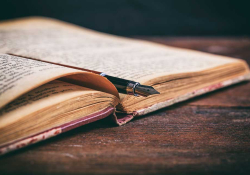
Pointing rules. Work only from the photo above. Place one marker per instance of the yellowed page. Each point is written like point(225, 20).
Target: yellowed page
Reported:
point(59, 42)
point(44, 96)
point(19, 75)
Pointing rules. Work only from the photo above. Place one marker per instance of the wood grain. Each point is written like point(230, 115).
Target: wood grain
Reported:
point(208, 134)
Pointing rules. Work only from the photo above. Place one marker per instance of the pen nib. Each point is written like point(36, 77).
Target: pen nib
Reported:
point(145, 90)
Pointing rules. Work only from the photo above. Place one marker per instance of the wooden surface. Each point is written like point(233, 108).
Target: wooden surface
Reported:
point(208, 134)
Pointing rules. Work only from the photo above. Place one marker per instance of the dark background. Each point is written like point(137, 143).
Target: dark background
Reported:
point(142, 17)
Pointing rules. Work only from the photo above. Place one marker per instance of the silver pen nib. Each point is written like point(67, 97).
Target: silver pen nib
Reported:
point(145, 91)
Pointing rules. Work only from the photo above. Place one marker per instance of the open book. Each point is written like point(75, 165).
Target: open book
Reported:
point(41, 99)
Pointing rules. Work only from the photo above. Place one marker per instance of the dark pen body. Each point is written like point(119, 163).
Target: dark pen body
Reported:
point(130, 87)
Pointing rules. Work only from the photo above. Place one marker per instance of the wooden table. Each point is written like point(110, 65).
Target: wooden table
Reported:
point(208, 134)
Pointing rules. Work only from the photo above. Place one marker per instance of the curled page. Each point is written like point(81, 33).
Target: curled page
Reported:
point(19, 75)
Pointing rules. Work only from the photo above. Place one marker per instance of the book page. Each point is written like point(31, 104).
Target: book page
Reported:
point(59, 42)
point(19, 75)
point(55, 92)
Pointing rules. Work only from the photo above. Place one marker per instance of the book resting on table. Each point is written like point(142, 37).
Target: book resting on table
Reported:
point(40, 98)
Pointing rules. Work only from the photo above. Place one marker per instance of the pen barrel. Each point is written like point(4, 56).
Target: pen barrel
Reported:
point(120, 84)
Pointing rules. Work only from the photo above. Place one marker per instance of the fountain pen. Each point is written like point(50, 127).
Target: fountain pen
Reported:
point(130, 87)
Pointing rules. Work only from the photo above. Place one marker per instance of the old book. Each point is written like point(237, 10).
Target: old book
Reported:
point(39, 100)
